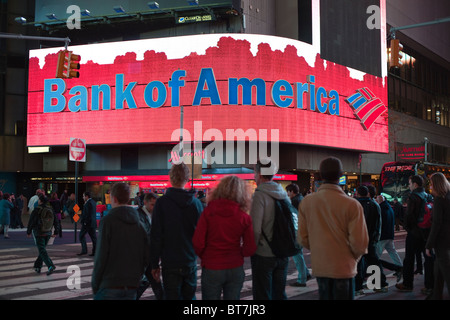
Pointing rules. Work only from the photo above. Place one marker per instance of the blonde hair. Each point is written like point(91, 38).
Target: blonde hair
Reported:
point(440, 184)
point(232, 188)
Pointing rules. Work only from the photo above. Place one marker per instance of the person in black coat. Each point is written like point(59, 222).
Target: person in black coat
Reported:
point(416, 237)
point(145, 215)
point(439, 238)
point(372, 215)
point(174, 220)
point(88, 224)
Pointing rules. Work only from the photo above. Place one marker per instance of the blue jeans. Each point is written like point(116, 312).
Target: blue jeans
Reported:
point(336, 289)
point(228, 280)
point(116, 294)
point(301, 267)
point(269, 277)
point(180, 283)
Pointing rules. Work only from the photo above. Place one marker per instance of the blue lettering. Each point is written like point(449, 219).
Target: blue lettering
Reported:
point(161, 94)
point(246, 84)
point(280, 90)
point(79, 101)
point(333, 105)
point(175, 83)
point(106, 93)
point(50, 94)
point(124, 95)
point(301, 89)
point(312, 93)
point(206, 77)
point(321, 93)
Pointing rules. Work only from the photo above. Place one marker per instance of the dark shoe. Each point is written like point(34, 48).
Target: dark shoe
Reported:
point(399, 275)
point(81, 253)
point(38, 270)
point(296, 284)
point(403, 288)
point(51, 269)
point(308, 277)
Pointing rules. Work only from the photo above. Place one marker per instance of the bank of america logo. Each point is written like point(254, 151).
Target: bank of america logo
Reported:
point(368, 108)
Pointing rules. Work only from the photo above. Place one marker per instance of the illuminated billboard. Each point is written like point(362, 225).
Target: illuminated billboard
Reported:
point(131, 92)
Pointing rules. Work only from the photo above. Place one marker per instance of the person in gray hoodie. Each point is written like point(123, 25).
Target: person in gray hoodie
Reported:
point(269, 273)
point(123, 250)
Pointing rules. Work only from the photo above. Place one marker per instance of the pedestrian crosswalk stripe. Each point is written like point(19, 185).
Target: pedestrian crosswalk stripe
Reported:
point(18, 280)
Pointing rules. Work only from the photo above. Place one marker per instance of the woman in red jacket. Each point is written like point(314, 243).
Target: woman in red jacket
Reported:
point(223, 237)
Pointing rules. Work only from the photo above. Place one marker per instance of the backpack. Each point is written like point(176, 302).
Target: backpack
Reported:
point(46, 219)
point(426, 211)
point(424, 221)
point(284, 239)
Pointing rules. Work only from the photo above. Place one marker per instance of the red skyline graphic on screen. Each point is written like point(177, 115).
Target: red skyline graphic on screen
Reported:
point(229, 58)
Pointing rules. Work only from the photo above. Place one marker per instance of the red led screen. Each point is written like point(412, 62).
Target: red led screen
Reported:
point(133, 94)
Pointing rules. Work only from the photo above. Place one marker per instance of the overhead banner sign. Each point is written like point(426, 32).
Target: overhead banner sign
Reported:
point(131, 92)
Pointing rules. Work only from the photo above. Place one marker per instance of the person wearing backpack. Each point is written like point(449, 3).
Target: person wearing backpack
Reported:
point(42, 221)
point(416, 237)
point(269, 272)
point(439, 238)
point(332, 227)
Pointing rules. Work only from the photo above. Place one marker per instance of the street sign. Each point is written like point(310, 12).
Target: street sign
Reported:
point(77, 150)
point(76, 216)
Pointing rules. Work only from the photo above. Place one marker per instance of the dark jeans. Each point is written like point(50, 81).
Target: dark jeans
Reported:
point(156, 287)
point(371, 258)
point(229, 281)
point(41, 243)
point(336, 289)
point(92, 235)
point(269, 277)
point(116, 294)
point(442, 273)
point(180, 283)
point(414, 244)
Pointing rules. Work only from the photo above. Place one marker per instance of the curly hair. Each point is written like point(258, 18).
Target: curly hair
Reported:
point(235, 189)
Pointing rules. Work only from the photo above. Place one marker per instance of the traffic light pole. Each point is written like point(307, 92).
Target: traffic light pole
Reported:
point(417, 25)
point(76, 198)
point(22, 37)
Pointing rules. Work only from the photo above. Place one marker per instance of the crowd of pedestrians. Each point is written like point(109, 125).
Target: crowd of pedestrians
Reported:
point(159, 243)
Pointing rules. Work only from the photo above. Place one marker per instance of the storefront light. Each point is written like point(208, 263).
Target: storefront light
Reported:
point(39, 149)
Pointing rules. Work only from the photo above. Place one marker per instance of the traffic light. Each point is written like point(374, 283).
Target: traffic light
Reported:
point(60, 68)
point(396, 53)
point(73, 63)
point(68, 65)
